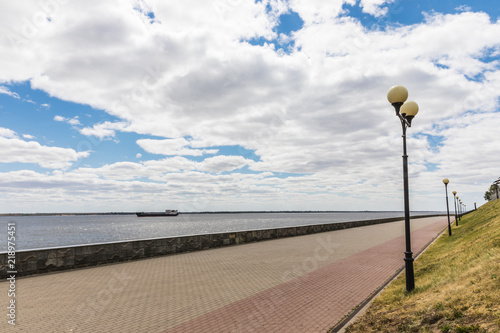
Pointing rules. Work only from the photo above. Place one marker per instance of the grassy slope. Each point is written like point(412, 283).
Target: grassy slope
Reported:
point(457, 284)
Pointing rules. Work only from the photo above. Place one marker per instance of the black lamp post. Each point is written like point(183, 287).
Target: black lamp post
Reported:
point(458, 207)
point(455, 202)
point(475, 207)
point(397, 96)
point(445, 182)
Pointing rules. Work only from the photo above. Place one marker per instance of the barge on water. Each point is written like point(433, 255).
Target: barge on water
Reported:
point(167, 212)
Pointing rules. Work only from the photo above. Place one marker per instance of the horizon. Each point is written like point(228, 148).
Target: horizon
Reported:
point(231, 212)
point(245, 106)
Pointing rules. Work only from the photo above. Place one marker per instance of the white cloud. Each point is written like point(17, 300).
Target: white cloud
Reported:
point(463, 8)
point(104, 130)
point(165, 169)
point(171, 164)
point(7, 133)
point(16, 150)
point(179, 146)
point(72, 121)
point(373, 7)
point(6, 91)
point(28, 136)
point(318, 11)
point(223, 163)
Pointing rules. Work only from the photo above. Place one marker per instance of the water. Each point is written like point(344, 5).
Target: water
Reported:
point(35, 232)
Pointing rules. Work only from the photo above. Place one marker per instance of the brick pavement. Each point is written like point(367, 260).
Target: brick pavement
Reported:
point(314, 302)
point(299, 284)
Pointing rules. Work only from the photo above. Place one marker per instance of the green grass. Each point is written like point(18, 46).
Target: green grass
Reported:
point(457, 284)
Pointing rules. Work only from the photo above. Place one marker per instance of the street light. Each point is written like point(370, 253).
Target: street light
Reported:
point(461, 208)
point(445, 182)
point(455, 201)
point(397, 96)
point(458, 206)
point(475, 207)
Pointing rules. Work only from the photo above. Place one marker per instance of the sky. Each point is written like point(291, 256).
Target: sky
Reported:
point(231, 105)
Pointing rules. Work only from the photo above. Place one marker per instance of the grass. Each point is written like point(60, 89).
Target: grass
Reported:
point(457, 284)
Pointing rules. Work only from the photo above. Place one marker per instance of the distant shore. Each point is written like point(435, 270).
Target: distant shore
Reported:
point(224, 212)
point(61, 214)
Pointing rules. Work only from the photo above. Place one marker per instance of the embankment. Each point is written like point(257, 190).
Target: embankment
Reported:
point(39, 261)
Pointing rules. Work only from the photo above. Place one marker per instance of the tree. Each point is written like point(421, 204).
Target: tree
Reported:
point(494, 189)
point(487, 196)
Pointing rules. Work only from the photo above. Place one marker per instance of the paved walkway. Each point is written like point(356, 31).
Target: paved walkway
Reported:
point(299, 284)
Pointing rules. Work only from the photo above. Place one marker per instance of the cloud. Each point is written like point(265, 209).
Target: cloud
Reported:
point(162, 170)
point(6, 91)
point(463, 8)
point(373, 7)
point(7, 133)
point(104, 130)
point(223, 163)
point(179, 146)
point(17, 150)
point(72, 121)
point(318, 11)
point(187, 189)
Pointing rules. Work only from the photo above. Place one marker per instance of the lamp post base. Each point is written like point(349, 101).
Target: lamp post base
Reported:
point(410, 280)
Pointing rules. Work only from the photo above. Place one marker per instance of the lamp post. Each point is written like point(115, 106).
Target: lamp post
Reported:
point(475, 207)
point(397, 96)
point(458, 207)
point(455, 202)
point(445, 182)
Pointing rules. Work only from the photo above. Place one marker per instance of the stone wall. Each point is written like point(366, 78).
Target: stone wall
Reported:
point(40, 261)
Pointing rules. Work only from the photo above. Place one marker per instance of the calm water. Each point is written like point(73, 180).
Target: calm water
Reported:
point(34, 232)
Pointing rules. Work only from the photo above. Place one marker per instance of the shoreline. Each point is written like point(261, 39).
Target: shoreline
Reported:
point(230, 212)
point(44, 260)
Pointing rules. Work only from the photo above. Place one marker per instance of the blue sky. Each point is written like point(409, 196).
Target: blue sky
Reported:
point(267, 105)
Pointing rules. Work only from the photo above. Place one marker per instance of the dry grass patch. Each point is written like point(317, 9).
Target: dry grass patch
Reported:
point(457, 284)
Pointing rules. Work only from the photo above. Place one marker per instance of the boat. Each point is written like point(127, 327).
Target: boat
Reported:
point(168, 212)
